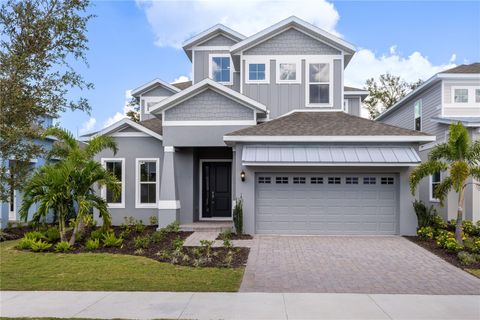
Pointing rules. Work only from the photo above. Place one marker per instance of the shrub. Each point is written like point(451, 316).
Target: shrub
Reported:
point(139, 226)
point(452, 245)
point(153, 220)
point(141, 242)
point(110, 240)
point(63, 246)
point(164, 255)
point(96, 234)
point(26, 243)
point(139, 252)
point(34, 235)
point(227, 243)
point(238, 215)
point(178, 243)
point(438, 222)
point(467, 259)
point(92, 244)
point(425, 233)
point(206, 247)
point(229, 258)
point(173, 227)
point(52, 234)
point(472, 245)
point(227, 234)
point(442, 237)
point(425, 215)
point(470, 229)
point(40, 245)
point(157, 236)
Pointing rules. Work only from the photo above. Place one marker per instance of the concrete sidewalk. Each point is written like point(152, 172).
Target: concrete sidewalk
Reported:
point(177, 305)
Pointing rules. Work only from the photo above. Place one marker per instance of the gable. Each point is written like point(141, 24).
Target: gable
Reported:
point(208, 105)
point(128, 129)
point(218, 40)
point(291, 41)
point(157, 91)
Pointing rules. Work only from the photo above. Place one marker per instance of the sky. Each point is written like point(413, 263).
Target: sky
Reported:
point(134, 42)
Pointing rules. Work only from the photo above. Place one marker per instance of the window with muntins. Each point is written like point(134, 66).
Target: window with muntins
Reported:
point(316, 180)
point(334, 180)
point(264, 180)
point(387, 180)
point(299, 180)
point(351, 180)
point(114, 167)
point(256, 71)
point(369, 180)
point(418, 115)
point(435, 181)
point(319, 83)
point(281, 180)
point(221, 69)
point(147, 181)
point(460, 96)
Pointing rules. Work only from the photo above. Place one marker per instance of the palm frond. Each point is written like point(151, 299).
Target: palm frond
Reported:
point(459, 140)
point(442, 189)
point(100, 143)
point(424, 170)
point(473, 154)
point(459, 172)
point(442, 151)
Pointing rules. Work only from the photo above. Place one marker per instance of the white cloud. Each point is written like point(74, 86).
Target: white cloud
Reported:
point(366, 64)
point(88, 125)
point(116, 117)
point(175, 21)
point(181, 79)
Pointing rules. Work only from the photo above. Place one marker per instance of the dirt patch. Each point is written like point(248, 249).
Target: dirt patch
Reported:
point(450, 257)
point(15, 233)
point(234, 236)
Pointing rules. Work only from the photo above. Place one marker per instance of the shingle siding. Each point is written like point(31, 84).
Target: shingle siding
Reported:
point(291, 41)
point(209, 105)
point(219, 40)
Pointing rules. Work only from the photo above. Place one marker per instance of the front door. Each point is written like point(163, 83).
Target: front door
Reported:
point(216, 190)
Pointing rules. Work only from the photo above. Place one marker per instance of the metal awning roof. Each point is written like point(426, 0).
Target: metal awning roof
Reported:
point(327, 155)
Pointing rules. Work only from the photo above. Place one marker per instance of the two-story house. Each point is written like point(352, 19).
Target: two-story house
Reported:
point(266, 118)
point(449, 96)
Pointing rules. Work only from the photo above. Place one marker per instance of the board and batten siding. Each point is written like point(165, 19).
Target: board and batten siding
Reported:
point(218, 40)
point(201, 67)
point(354, 106)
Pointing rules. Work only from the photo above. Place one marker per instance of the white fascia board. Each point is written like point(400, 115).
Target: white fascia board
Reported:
point(117, 125)
point(286, 23)
point(355, 93)
point(462, 76)
point(331, 164)
point(181, 123)
point(329, 138)
point(167, 85)
point(450, 121)
point(213, 31)
point(200, 87)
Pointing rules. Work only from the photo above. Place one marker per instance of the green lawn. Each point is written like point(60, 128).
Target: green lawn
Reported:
point(100, 271)
point(475, 272)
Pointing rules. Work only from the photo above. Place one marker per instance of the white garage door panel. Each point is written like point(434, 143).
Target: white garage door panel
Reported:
point(322, 208)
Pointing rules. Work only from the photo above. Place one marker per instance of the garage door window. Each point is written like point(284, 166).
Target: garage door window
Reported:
point(299, 180)
point(281, 180)
point(334, 180)
point(387, 180)
point(316, 180)
point(264, 180)
point(351, 180)
point(369, 180)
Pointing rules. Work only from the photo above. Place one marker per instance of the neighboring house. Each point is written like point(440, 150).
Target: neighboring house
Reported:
point(9, 211)
point(449, 96)
point(266, 118)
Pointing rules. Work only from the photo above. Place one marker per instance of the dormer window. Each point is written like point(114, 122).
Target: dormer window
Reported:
point(461, 95)
point(319, 86)
point(221, 68)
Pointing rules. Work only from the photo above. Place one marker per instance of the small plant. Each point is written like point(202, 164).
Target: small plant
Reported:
point(138, 226)
point(467, 259)
point(96, 234)
point(173, 227)
point(40, 245)
point(471, 229)
point(238, 215)
point(164, 255)
point(206, 247)
point(228, 260)
point(26, 243)
point(110, 240)
point(198, 259)
point(425, 233)
point(442, 237)
point(139, 252)
point(92, 244)
point(153, 220)
point(227, 243)
point(63, 246)
point(178, 243)
point(227, 234)
point(52, 234)
point(452, 245)
point(438, 222)
point(472, 245)
point(157, 236)
point(35, 235)
point(141, 242)
point(425, 216)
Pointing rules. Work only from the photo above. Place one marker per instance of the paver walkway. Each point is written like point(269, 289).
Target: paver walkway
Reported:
point(356, 264)
point(201, 305)
point(194, 239)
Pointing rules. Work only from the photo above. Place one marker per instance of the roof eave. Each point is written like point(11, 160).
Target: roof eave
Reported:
point(357, 139)
point(143, 88)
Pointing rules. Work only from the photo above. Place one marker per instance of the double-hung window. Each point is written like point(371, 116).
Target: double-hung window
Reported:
point(460, 95)
point(435, 180)
point(220, 68)
point(147, 182)
point(418, 115)
point(318, 83)
point(115, 166)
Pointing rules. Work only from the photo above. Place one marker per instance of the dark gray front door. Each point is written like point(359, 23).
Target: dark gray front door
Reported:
point(216, 189)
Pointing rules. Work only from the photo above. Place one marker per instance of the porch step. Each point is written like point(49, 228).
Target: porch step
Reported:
point(213, 226)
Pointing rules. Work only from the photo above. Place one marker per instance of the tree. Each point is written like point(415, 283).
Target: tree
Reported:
point(69, 183)
point(40, 41)
point(134, 112)
point(386, 93)
point(460, 157)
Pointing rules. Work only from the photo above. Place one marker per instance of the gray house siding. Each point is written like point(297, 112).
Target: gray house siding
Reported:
point(154, 95)
point(209, 105)
point(218, 40)
point(291, 41)
point(131, 148)
point(201, 136)
point(354, 106)
point(201, 67)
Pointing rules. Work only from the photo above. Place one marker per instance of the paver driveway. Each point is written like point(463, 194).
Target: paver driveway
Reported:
point(378, 264)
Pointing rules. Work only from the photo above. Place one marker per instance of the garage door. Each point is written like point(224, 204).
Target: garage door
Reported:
point(326, 204)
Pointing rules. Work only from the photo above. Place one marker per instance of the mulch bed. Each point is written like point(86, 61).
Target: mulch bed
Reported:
point(234, 236)
point(15, 233)
point(450, 257)
point(165, 245)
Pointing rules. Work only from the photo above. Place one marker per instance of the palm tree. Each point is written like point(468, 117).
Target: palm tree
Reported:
point(460, 157)
point(68, 184)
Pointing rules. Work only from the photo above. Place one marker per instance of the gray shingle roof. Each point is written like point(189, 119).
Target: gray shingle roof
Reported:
point(465, 68)
point(153, 124)
point(324, 124)
point(345, 88)
point(182, 85)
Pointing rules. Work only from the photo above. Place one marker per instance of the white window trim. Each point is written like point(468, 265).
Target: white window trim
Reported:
point(421, 115)
point(103, 190)
point(148, 99)
point(138, 204)
point(12, 215)
point(330, 82)
point(430, 189)
point(453, 95)
point(298, 70)
point(257, 60)
point(471, 103)
point(210, 66)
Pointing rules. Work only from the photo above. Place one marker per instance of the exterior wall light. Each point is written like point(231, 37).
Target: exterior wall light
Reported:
point(242, 175)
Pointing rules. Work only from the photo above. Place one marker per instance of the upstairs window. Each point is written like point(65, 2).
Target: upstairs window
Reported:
point(418, 115)
point(460, 95)
point(256, 71)
point(220, 68)
point(318, 83)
